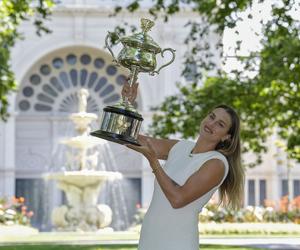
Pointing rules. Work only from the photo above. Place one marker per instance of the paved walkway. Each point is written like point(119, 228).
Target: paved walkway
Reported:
point(269, 243)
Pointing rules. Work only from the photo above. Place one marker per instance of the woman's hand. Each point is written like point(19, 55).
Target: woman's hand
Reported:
point(129, 92)
point(146, 149)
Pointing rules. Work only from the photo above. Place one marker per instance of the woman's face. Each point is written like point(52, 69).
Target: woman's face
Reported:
point(216, 125)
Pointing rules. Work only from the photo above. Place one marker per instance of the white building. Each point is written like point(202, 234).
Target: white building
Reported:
point(52, 68)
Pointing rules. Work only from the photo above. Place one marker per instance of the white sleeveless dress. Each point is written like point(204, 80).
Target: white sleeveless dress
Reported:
point(166, 228)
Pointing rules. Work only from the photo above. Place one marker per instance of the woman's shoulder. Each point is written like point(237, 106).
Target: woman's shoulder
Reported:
point(218, 155)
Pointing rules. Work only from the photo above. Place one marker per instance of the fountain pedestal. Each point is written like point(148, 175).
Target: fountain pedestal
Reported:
point(82, 212)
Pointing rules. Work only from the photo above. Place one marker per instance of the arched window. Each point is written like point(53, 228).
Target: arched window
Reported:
point(52, 83)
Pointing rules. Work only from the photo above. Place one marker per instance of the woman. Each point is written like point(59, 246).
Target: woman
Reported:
point(189, 178)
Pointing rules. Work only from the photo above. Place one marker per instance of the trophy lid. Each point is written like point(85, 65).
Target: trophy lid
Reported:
point(142, 40)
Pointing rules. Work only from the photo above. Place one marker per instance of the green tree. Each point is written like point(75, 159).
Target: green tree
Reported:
point(267, 98)
point(12, 13)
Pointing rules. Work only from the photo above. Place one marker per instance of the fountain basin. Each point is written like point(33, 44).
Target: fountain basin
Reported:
point(83, 178)
point(81, 142)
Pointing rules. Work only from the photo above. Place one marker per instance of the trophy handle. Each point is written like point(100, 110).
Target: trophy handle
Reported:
point(109, 47)
point(165, 65)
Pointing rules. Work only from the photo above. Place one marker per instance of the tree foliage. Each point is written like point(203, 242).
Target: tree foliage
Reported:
point(12, 13)
point(267, 100)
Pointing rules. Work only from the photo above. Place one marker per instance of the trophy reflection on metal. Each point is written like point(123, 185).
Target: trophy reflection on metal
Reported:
point(121, 122)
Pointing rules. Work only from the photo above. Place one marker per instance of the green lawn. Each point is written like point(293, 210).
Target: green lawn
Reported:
point(107, 247)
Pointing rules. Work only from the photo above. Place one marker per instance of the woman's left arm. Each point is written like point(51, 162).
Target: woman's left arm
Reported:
point(202, 181)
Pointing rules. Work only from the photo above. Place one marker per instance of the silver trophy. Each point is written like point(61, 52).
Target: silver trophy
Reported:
point(121, 122)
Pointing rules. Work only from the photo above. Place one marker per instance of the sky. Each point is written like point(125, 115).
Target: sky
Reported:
point(249, 30)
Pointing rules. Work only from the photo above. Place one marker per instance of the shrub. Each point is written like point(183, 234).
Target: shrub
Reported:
point(285, 212)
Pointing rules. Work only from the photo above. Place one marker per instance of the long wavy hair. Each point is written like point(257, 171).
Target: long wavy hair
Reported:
point(232, 189)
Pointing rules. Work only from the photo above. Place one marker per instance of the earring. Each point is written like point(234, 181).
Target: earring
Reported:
point(222, 143)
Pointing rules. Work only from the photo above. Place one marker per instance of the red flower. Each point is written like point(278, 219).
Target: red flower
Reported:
point(30, 214)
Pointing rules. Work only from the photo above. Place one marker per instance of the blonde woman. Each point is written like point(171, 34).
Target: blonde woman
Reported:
point(192, 173)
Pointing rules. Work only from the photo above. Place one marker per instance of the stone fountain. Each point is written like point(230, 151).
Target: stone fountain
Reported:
point(81, 182)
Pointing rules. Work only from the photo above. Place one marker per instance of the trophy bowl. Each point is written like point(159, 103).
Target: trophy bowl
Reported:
point(121, 122)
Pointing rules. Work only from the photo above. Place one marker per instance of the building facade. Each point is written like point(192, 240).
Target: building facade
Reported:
point(50, 69)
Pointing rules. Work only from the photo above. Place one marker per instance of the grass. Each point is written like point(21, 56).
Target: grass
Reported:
point(99, 241)
point(110, 247)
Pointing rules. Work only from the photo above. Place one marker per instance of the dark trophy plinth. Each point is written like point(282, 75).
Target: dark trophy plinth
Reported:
point(121, 122)
point(119, 125)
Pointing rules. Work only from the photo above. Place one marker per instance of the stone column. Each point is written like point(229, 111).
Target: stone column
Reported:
point(7, 153)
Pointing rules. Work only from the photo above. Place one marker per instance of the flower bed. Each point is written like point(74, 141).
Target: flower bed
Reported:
point(284, 212)
point(14, 212)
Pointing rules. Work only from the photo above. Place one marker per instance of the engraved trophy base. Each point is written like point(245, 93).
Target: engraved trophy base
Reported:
point(113, 137)
point(119, 125)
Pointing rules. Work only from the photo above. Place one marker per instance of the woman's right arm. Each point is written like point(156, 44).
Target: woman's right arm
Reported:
point(161, 147)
